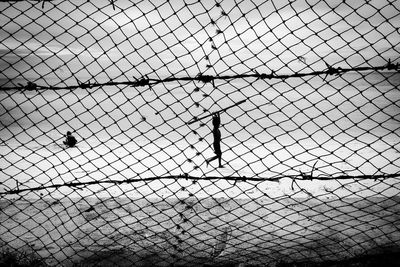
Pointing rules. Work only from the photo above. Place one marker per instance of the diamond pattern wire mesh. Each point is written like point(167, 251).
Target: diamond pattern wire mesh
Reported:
point(307, 93)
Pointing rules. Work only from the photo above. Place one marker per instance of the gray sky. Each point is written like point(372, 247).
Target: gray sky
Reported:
point(172, 38)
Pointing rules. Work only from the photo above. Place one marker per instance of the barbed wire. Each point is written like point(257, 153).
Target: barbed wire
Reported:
point(145, 81)
point(301, 176)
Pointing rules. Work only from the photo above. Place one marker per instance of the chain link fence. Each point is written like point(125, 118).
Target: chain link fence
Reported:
point(297, 100)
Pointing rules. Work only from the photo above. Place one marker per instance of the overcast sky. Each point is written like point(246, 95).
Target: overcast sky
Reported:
point(162, 38)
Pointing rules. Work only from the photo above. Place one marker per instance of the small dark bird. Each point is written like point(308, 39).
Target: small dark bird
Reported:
point(70, 140)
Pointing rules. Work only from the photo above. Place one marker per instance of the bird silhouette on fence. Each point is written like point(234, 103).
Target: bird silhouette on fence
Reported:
point(70, 140)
